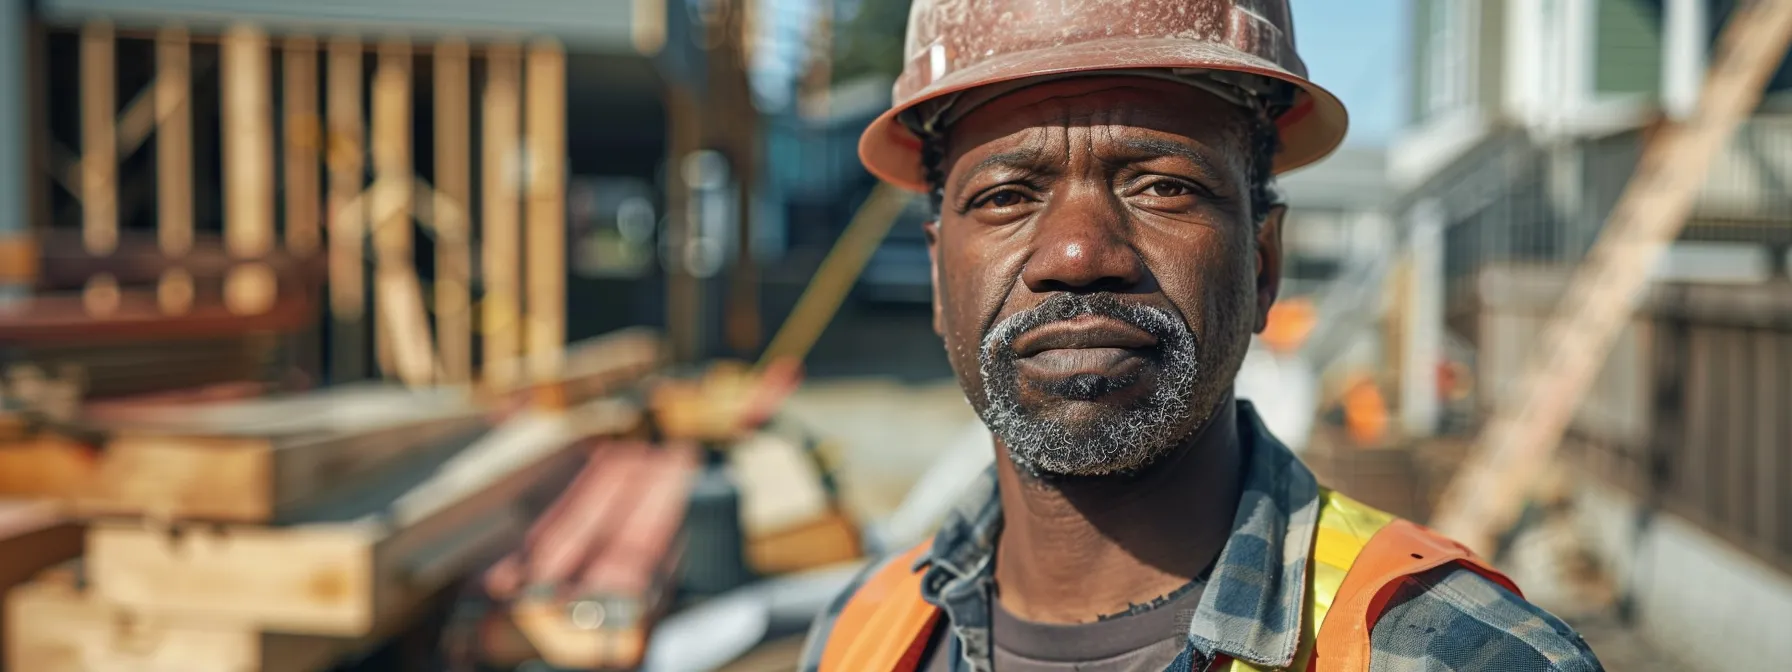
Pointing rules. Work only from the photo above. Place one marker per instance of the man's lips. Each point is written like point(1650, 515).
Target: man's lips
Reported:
point(1083, 333)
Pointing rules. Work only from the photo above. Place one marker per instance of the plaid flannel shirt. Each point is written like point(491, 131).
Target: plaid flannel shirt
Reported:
point(1446, 620)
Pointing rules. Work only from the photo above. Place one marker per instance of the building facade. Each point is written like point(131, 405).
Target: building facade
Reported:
point(1527, 120)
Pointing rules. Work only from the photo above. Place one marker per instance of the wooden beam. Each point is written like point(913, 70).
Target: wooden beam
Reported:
point(453, 195)
point(599, 618)
point(34, 535)
point(303, 139)
point(99, 138)
point(347, 214)
point(391, 198)
point(684, 294)
point(248, 118)
point(265, 460)
point(500, 308)
point(838, 272)
point(594, 367)
point(357, 568)
point(174, 143)
point(399, 299)
point(547, 208)
point(59, 628)
point(138, 314)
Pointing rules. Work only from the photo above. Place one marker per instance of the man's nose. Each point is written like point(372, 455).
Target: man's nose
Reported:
point(1082, 245)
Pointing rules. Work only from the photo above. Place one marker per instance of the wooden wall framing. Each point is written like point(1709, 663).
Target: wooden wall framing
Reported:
point(302, 129)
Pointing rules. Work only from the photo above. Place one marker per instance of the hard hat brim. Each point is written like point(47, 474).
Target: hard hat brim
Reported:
point(1310, 130)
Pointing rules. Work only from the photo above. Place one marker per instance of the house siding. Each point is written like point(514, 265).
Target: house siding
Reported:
point(1627, 46)
point(1421, 59)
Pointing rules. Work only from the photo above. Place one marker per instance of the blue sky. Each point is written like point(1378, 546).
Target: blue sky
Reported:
point(1356, 49)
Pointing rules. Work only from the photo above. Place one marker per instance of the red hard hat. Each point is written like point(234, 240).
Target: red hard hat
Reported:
point(956, 46)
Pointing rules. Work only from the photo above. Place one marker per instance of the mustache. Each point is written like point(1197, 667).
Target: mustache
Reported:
point(1160, 323)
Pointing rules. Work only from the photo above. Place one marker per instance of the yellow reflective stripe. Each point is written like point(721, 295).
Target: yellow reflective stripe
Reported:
point(1345, 527)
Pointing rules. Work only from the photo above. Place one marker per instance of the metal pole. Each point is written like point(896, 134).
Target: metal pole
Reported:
point(1423, 323)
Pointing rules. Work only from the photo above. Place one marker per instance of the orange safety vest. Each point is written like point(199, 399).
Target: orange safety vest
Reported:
point(1358, 553)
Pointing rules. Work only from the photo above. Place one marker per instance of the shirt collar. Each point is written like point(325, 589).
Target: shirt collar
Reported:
point(1252, 607)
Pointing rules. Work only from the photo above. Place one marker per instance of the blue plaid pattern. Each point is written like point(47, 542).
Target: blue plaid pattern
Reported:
point(1446, 620)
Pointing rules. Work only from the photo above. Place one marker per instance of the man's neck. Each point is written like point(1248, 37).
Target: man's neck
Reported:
point(1075, 550)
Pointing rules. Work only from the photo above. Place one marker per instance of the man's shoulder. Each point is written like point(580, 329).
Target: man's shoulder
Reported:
point(1452, 619)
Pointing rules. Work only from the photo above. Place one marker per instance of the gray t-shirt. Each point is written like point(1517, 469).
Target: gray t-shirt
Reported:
point(1147, 639)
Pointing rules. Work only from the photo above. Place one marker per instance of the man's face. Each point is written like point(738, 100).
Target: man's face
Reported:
point(1097, 269)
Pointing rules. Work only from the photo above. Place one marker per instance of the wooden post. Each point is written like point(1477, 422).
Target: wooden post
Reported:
point(99, 139)
point(454, 194)
point(500, 312)
point(683, 292)
point(248, 168)
point(547, 208)
point(303, 136)
point(391, 195)
point(174, 143)
point(347, 214)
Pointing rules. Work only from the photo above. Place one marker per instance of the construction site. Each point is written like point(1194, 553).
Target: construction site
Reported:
point(551, 335)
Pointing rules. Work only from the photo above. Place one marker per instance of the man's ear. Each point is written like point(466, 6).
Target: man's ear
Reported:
point(932, 231)
point(1269, 263)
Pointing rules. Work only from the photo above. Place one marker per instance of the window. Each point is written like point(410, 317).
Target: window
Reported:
point(1449, 43)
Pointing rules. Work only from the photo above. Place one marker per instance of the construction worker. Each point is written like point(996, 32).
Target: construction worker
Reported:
point(1107, 241)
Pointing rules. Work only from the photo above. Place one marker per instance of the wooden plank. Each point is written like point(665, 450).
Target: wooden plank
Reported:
point(359, 566)
point(391, 195)
point(501, 306)
point(248, 143)
point(602, 619)
point(303, 139)
point(401, 309)
point(33, 537)
point(174, 142)
point(57, 628)
point(454, 194)
point(594, 368)
point(248, 119)
point(266, 460)
point(99, 138)
point(582, 520)
point(138, 315)
point(626, 564)
point(45, 465)
point(138, 261)
point(546, 209)
point(347, 214)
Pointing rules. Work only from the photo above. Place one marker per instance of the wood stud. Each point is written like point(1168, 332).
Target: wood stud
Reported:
point(302, 133)
point(546, 208)
point(500, 308)
point(453, 195)
point(99, 139)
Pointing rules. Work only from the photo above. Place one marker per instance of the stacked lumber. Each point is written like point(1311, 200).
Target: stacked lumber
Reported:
point(33, 537)
point(729, 401)
point(594, 572)
point(592, 368)
point(138, 293)
point(285, 533)
point(790, 520)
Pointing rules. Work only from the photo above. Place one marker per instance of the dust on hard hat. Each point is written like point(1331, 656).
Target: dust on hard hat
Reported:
point(962, 53)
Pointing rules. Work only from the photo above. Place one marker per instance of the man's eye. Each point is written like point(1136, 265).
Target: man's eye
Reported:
point(1168, 189)
point(1005, 198)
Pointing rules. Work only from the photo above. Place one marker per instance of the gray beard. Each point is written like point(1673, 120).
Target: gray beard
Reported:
point(1121, 440)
